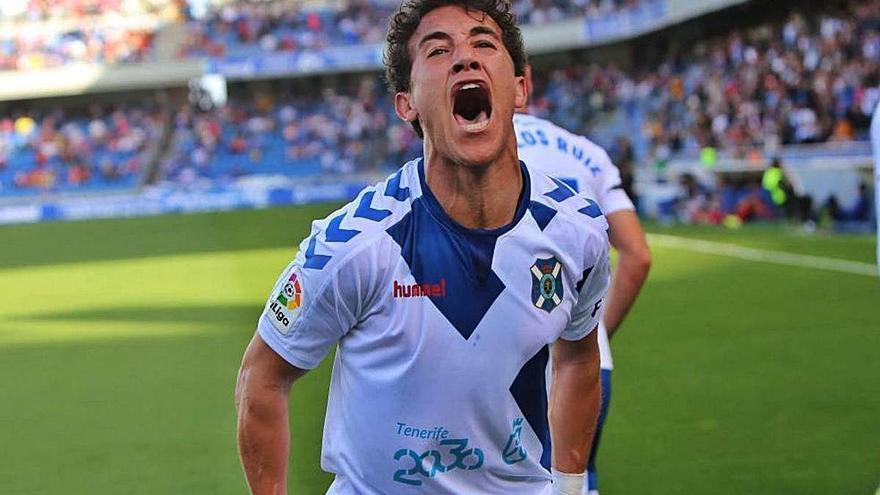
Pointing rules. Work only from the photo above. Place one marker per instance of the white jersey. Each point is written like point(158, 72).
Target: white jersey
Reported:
point(582, 164)
point(438, 382)
point(875, 142)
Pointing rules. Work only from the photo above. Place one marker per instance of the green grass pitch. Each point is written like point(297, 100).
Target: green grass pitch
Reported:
point(120, 341)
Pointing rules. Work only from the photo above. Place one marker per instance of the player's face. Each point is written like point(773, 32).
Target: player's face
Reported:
point(462, 86)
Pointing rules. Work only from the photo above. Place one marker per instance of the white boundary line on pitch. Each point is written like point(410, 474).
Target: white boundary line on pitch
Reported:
point(764, 255)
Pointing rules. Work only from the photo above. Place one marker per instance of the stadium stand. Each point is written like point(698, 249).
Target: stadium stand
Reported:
point(55, 150)
point(52, 33)
point(243, 27)
point(346, 127)
point(247, 28)
point(759, 88)
point(805, 81)
point(799, 84)
point(546, 11)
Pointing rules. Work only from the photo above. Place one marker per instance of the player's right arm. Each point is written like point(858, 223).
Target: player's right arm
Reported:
point(627, 237)
point(261, 400)
point(316, 300)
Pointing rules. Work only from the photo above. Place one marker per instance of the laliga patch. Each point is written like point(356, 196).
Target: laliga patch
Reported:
point(284, 304)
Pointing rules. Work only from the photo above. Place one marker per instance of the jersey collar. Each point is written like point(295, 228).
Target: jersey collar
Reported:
point(440, 215)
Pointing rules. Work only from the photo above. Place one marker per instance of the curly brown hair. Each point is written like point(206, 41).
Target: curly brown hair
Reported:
point(404, 23)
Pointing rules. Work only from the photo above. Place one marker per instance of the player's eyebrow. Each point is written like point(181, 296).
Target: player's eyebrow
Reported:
point(478, 30)
point(442, 35)
point(436, 35)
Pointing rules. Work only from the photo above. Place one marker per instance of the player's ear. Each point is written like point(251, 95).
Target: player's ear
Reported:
point(403, 107)
point(521, 92)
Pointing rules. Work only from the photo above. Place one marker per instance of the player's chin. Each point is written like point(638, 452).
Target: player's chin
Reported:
point(477, 152)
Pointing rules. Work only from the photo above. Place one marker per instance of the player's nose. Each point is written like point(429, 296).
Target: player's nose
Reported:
point(466, 61)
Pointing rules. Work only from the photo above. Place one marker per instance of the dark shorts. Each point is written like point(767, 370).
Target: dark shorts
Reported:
point(593, 477)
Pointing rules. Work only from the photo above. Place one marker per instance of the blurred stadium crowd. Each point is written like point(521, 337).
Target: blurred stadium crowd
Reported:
point(54, 150)
point(743, 92)
point(341, 129)
point(242, 27)
point(38, 34)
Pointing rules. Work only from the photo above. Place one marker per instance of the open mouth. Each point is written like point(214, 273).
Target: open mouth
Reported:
point(472, 107)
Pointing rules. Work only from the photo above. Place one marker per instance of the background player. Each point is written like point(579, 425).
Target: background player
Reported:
point(587, 168)
point(444, 287)
point(875, 144)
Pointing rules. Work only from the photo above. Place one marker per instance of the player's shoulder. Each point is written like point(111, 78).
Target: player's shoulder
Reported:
point(555, 203)
point(359, 226)
point(533, 131)
point(527, 120)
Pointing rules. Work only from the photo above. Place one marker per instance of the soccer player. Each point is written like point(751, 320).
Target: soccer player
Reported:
point(442, 289)
point(587, 168)
point(875, 143)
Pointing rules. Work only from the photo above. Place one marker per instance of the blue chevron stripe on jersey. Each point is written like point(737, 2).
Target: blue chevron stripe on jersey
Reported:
point(592, 209)
point(364, 210)
point(529, 390)
point(393, 189)
point(561, 193)
point(315, 261)
point(434, 253)
point(583, 279)
point(570, 182)
point(437, 248)
point(335, 232)
point(541, 213)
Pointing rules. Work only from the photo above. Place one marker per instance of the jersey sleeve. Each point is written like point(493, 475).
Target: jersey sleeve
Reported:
point(612, 197)
point(591, 290)
point(309, 309)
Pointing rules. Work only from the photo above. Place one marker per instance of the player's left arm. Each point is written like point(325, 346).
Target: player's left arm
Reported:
point(574, 402)
point(575, 390)
point(633, 264)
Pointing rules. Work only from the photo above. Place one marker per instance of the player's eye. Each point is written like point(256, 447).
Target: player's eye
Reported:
point(436, 51)
point(485, 44)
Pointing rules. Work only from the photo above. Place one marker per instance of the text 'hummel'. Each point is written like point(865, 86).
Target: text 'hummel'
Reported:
point(420, 290)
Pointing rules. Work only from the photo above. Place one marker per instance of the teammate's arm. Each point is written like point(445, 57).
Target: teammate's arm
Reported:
point(574, 401)
point(261, 399)
point(633, 263)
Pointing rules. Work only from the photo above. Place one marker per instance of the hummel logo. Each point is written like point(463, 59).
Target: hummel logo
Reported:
point(420, 290)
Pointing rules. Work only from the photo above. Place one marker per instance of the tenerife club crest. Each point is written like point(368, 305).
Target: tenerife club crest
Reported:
point(547, 291)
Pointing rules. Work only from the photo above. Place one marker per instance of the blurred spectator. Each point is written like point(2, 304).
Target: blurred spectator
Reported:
point(783, 195)
point(754, 204)
point(856, 218)
point(695, 204)
point(624, 157)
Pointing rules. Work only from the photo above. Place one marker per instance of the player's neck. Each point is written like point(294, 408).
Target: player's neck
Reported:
point(476, 197)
